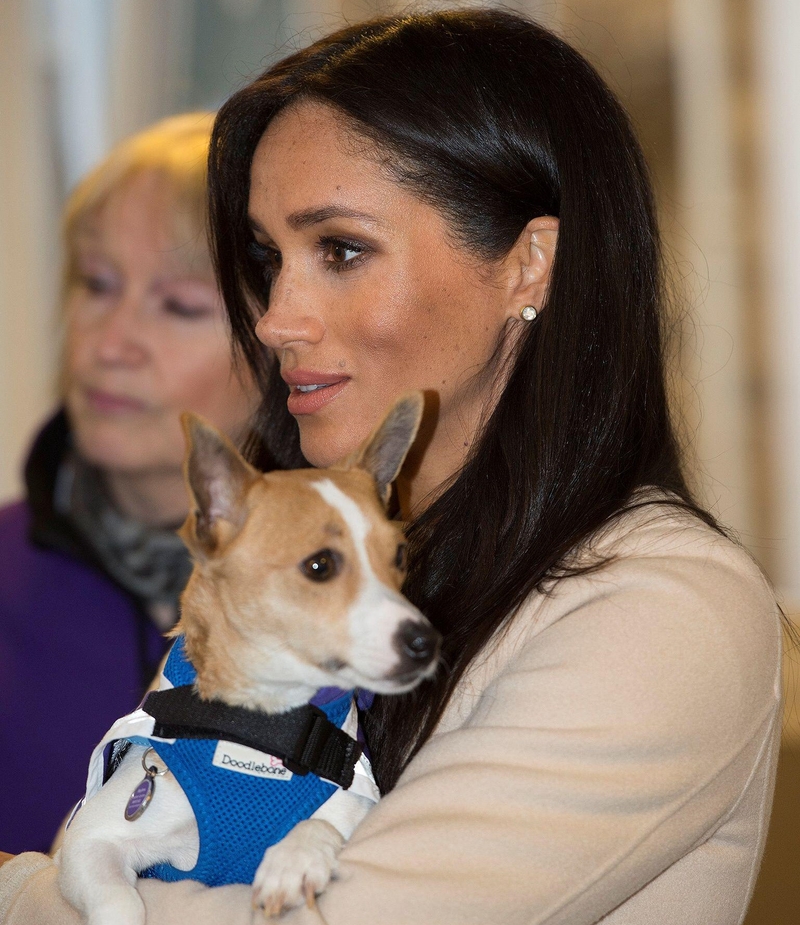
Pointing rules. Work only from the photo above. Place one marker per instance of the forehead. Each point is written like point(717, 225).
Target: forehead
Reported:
point(144, 213)
point(327, 503)
point(311, 153)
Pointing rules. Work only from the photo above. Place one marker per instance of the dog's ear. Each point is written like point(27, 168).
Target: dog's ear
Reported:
point(218, 479)
point(384, 452)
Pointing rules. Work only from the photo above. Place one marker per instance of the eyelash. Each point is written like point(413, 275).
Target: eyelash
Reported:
point(97, 286)
point(269, 259)
point(327, 244)
point(181, 310)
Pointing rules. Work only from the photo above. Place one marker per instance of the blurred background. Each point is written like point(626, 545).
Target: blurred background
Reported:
point(713, 87)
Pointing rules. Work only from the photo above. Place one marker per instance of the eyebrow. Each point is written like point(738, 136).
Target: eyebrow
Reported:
point(308, 217)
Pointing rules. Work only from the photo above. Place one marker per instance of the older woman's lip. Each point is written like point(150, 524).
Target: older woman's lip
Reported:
point(110, 403)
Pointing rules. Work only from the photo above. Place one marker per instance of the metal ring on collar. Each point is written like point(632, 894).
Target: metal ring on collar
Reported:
point(153, 769)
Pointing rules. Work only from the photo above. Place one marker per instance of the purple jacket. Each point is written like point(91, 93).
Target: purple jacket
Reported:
point(76, 652)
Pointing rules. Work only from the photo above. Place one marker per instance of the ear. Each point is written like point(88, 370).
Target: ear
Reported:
point(532, 261)
point(383, 453)
point(217, 478)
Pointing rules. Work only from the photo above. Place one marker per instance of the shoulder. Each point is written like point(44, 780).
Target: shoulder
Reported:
point(14, 519)
point(16, 549)
point(663, 570)
point(36, 580)
point(19, 555)
point(677, 632)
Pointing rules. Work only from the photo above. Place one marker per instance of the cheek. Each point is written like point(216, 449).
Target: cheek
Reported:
point(395, 320)
point(77, 350)
point(197, 375)
point(422, 332)
point(309, 618)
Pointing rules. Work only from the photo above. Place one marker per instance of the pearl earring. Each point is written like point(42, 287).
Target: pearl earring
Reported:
point(528, 313)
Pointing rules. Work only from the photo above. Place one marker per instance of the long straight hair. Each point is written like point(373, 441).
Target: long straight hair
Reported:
point(494, 121)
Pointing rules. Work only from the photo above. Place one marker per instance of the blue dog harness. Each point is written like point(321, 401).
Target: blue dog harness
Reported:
point(243, 799)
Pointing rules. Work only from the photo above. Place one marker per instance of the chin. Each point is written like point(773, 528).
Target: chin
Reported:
point(324, 445)
point(114, 450)
point(319, 453)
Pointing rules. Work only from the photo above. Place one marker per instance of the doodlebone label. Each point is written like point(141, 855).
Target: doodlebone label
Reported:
point(230, 756)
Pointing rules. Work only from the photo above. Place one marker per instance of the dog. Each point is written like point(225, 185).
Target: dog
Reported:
point(295, 590)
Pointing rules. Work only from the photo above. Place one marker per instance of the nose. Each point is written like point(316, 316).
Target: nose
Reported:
point(289, 320)
point(417, 643)
point(119, 334)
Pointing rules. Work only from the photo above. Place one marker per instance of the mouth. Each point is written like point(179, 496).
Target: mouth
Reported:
point(103, 402)
point(395, 684)
point(310, 391)
point(347, 674)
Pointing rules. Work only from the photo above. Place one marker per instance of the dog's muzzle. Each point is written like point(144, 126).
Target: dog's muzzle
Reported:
point(417, 644)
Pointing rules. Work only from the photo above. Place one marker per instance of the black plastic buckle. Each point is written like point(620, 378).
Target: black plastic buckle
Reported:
point(309, 743)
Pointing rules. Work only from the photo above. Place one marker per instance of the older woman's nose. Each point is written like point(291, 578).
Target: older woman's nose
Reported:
point(120, 333)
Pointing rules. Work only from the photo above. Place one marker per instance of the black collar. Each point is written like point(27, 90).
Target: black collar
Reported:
point(303, 738)
point(49, 527)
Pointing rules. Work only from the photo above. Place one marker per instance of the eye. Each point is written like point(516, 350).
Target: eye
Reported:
point(400, 559)
point(340, 254)
point(268, 258)
point(96, 285)
point(322, 565)
point(183, 310)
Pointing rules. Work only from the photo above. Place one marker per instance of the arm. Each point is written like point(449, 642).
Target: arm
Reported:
point(610, 748)
point(618, 737)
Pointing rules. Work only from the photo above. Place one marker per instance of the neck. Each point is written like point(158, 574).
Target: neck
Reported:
point(443, 443)
point(274, 682)
point(156, 499)
point(277, 697)
point(437, 455)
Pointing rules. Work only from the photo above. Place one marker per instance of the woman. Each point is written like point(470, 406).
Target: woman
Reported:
point(90, 565)
point(455, 202)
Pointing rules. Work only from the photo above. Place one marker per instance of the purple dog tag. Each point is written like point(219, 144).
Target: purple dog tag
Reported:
point(140, 799)
point(141, 796)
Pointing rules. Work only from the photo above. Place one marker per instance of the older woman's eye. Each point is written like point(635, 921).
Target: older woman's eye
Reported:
point(340, 254)
point(185, 310)
point(95, 284)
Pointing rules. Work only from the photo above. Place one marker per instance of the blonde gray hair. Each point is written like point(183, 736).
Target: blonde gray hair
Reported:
point(176, 149)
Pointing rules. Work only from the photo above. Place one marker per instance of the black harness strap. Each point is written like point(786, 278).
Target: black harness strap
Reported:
point(303, 738)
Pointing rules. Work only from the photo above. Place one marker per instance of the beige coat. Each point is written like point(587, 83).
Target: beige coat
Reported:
point(613, 755)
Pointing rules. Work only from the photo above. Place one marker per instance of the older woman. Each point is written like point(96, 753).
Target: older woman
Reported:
point(455, 202)
point(90, 565)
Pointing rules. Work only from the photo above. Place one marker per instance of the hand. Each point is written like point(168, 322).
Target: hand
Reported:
point(5, 857)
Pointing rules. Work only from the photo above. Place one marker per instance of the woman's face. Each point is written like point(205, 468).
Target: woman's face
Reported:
point(145, 336)
point(370, 295)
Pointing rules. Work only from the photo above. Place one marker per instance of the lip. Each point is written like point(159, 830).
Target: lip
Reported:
point(110, 403)
point(300, 403)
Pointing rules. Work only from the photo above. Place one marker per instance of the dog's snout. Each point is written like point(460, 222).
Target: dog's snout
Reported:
point(418, 644)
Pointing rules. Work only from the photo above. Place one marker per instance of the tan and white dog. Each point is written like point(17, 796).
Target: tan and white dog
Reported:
point(296, 587)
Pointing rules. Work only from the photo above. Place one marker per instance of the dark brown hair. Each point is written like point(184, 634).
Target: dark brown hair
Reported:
point(494, 121)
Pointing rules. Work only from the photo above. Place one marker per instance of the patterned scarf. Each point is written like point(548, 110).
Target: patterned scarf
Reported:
point(151, 563)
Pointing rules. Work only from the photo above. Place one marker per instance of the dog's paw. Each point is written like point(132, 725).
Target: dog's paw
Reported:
point(297, 868)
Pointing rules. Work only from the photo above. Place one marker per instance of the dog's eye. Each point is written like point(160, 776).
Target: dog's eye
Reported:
point(321, 566)
point(400, 557)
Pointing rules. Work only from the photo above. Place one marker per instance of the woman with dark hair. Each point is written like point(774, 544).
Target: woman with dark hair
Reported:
point(455, 202)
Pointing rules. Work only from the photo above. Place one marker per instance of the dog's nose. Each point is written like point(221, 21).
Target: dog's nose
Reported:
point(417, 644)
